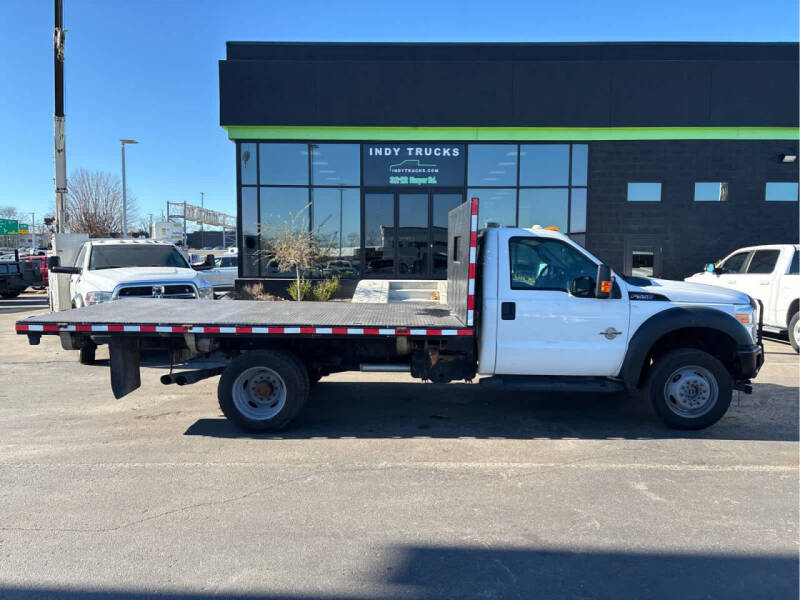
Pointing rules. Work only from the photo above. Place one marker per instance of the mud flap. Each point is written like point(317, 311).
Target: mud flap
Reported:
point(124, 359)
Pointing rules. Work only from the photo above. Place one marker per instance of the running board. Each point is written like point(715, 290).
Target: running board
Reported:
point(552, 383)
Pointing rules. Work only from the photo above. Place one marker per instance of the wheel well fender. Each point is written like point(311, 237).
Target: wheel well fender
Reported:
point(793, 308)
point(700, 327)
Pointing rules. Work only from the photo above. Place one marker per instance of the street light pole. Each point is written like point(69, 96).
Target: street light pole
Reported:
point(124, 190)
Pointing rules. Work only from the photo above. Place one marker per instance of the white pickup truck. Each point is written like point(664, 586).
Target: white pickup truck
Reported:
point(526, 308)
point(767, 273)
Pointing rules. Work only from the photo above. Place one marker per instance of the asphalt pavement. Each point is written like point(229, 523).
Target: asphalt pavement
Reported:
point(386, 488)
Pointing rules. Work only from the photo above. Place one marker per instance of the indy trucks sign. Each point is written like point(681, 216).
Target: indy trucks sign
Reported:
point(393, 165)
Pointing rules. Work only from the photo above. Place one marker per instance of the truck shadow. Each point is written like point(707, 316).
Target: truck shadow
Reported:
point(408, 410)
point(23, 304)
point(410, 571)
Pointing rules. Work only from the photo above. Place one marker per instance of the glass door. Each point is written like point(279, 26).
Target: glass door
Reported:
point(379, 235)
point(413, 233)
point(405, 234)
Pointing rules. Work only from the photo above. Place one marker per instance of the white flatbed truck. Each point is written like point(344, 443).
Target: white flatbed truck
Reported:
point(526, 308)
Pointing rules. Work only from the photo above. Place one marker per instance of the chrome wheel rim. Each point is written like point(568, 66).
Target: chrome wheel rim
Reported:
point(796, 331)
point(691, 391)
point(259, 393)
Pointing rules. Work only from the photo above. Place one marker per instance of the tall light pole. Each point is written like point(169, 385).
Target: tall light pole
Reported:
point(60, 154)
point(124, 191)
point(202, 218)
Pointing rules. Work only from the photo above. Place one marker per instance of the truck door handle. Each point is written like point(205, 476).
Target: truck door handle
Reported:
point(508, 311)
point(765, 283)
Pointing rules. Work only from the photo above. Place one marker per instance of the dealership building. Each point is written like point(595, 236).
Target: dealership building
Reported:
point(657, 157)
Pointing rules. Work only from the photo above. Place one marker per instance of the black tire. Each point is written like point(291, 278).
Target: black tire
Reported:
point(669, 409)
point(8, 295)
point(293, 377)
point(87, 352)
point(793, 332)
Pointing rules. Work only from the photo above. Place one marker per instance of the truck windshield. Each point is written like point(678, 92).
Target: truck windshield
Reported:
point(134, 255)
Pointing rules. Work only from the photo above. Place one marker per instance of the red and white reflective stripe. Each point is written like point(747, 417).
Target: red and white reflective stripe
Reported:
point(473, 249)
point(33, 328)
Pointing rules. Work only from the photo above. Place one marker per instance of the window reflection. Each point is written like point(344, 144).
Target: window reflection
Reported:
point(379, 234)
point(336, 218)
point(711, 191)
point(495, 206)
point(412, 234)
point(580, 164)
point(781, 191)
point(442, 205)
point(283, 164)
point(577, 211)
point(644, 192)
point(247, 164)
point(492, 165)
point(544, 164)
point(335, 164)
point(281, 208)
point(546, 207)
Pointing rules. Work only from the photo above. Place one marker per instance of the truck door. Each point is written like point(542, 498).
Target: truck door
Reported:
point(757, 280)
point(542, 328)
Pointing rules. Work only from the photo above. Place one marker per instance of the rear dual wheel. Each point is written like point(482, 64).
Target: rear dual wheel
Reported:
point(263, 390)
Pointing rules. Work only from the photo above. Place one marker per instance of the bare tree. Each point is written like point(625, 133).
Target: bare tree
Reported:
point(94, 203)
point(9, 212)
point(291, 245)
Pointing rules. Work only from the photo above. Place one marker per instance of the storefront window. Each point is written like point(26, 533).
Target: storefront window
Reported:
point(495, 206)
point(247, 164)
point(492, 165)
point(335, 164)
point(580, 164)
point(379, 234)
point(250, 228)
point(577, 211)
point(544, 207)
point(336, 216)
point(544, 164)
point(281, 208)
point(283, 164)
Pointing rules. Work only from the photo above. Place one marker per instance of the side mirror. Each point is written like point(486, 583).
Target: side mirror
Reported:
point(207, 264)
point(604, 282)
point(53, 261)
point(583, 287)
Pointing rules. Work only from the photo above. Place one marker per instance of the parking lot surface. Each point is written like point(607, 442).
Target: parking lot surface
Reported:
point(386, 488)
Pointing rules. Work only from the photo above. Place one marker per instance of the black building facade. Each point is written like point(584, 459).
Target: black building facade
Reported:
point(657, 157)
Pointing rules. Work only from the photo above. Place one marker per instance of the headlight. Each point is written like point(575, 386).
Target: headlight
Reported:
point(98, 297)
point(205, 291)
point(746, 315)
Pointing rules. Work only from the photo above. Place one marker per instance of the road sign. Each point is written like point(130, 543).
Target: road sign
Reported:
point(9, 227)
point(23, 228)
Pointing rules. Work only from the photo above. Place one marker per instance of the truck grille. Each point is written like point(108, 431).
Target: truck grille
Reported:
point(157, 291)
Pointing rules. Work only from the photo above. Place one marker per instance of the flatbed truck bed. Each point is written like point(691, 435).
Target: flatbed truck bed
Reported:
point(250, 317)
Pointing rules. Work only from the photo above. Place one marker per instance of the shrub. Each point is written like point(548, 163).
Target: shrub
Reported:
point(305, 289)
point(326, 289)
point(253, 291)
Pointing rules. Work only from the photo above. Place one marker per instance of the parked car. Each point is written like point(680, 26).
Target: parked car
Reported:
point(224, 273)
point(18, 275)
point(42, 261)
point(767, 273)
point(108, 270)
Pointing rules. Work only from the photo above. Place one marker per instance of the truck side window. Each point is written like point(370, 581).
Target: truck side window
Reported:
point(80, 257)
point(546, 264)
point(763, 261)
point(794, 268)
point(735, 264)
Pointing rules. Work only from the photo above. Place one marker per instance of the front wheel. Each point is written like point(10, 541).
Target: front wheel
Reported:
point(794, 332)
point(263, 390)
point(689, 389)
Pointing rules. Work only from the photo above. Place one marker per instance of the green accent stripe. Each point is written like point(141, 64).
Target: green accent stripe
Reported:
point(510, 133)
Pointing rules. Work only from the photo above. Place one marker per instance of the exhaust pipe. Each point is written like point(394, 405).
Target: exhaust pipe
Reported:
point(385, 368)
point(189, 377)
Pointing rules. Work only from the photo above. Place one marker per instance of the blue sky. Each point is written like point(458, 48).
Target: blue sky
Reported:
point(148, 70)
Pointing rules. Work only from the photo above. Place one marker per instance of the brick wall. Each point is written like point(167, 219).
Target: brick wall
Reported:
point(689, 233)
